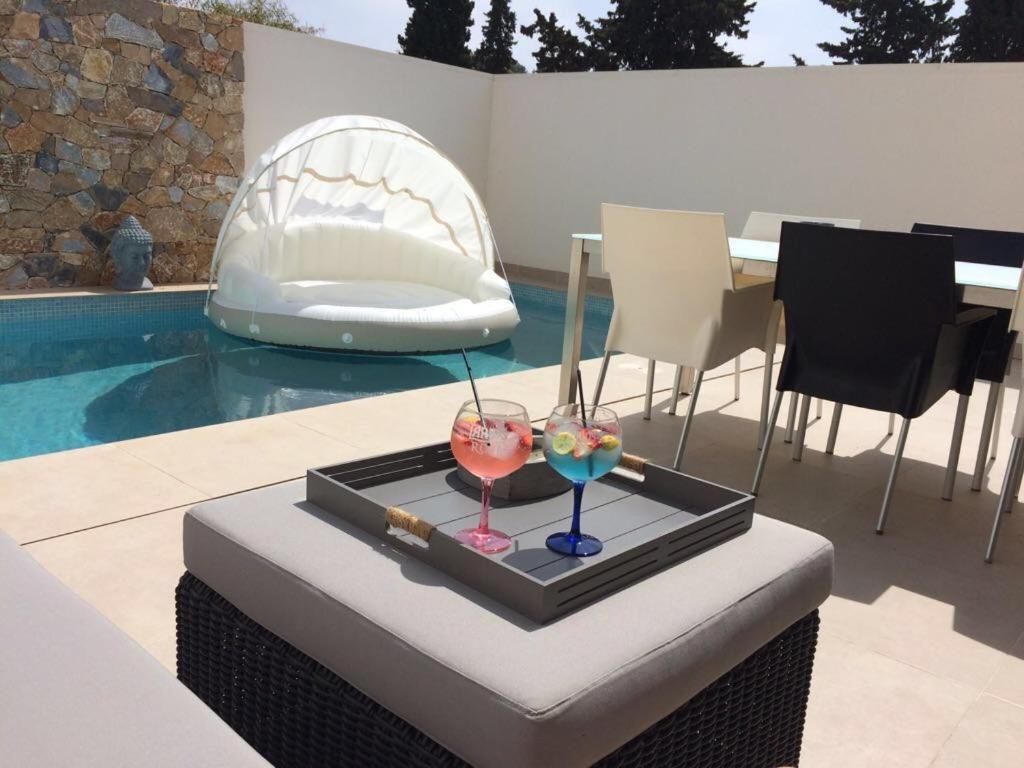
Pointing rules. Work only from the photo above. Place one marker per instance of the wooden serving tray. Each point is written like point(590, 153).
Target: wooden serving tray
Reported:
point(648, 516)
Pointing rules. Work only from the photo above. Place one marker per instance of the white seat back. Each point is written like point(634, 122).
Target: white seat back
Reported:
point(768, 226)
point(670, 272)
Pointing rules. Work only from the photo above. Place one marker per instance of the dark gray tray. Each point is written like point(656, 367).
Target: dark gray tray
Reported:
point(649, 517)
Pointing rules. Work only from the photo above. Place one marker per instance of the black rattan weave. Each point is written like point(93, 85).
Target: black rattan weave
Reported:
point(299, 714)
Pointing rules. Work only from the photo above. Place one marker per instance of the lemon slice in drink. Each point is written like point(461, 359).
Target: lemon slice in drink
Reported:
point(563, 443)
point(610, 442)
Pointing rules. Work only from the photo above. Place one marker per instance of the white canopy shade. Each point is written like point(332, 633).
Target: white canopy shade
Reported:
point(363, 170)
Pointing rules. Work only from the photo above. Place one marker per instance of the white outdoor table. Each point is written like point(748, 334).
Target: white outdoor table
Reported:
point(984, 285)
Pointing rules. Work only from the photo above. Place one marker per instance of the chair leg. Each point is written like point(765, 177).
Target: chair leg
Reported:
point(600, 378)
point(801, 432)
point(650, 390)
point(690, 409)
point(892, 424)
point(997, 422)
point(820, 406)
point(1005, 498)
point(1015, 489)
point(986, 437)
point(762, 460)
point(794, 399)
point(954, 447)
point(736, 379)
point(901, 442)
point(833, 430)
point(766, 392)
point(676, 390)
point(1007, 504)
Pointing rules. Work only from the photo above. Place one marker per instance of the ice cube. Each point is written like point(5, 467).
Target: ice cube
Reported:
point(504, 444)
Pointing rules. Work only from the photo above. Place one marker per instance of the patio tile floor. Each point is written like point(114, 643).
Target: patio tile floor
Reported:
point(921, 660)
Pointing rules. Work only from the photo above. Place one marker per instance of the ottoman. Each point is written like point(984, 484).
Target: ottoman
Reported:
point(323, 646)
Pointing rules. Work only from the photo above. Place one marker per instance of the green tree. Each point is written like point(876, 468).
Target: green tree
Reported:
point(990, 30)
point(495, 52)
point(798, 61)
point(560, 50)
point(272, 13)
point(892, 31)
point(439, 30)
point(599, 45)
point(672, 34)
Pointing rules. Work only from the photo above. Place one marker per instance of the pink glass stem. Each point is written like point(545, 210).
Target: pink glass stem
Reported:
point(486, 484)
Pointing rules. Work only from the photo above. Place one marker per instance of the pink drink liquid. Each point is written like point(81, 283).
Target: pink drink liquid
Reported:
point(493, 451)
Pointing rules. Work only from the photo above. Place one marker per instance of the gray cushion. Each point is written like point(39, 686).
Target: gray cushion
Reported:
point(487, 684)
point(76, 691)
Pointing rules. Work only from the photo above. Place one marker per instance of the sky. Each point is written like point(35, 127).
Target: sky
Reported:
point(777, 27)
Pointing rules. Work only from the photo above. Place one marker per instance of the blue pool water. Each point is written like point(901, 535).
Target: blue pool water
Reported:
point(83, 371)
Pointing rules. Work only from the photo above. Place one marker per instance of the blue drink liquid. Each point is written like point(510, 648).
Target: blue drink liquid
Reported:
point(590, 466)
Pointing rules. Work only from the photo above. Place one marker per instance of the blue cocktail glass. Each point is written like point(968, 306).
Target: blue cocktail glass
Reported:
point(581, 445)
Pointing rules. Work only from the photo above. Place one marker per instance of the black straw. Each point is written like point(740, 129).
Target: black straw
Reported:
point(579, 391)
point(472, 383)
point(583, 414)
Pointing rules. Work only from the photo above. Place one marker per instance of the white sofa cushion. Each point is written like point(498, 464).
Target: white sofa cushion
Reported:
point(76, 691)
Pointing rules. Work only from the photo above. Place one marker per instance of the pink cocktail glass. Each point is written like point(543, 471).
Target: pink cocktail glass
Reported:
point(490, 444)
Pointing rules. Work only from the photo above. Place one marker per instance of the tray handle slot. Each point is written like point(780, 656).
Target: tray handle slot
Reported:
point(396, 517)
point(633, 463)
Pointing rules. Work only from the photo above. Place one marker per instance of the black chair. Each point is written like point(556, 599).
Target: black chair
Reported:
point(1005, 249)
point(872, 321)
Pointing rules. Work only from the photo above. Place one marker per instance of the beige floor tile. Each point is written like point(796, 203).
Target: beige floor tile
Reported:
point(1008, 680)
point(128, 571)
point(389, 423)
point(398, 421)
point(991, 735)
point(869, 710)
point(227, 458)
point(926, 529)
point(955, 619)
point(57, 493)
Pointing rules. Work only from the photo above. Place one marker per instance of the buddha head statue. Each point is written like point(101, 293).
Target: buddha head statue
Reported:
point(131, 248)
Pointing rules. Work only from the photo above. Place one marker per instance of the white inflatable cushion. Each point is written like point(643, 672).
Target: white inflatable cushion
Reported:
point(341, 249)
point(316, 282)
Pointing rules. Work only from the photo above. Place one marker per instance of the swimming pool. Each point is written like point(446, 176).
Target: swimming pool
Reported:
point(81, 371)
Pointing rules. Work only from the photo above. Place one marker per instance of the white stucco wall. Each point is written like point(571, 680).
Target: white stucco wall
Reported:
point(293, 79)
point(886, 144)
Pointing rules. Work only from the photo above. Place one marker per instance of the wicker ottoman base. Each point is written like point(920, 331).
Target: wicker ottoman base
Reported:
point(299, 714)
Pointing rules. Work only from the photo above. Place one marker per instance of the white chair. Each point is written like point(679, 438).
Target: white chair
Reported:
point(1015, 462)
point(768, 226)
point(676, 299)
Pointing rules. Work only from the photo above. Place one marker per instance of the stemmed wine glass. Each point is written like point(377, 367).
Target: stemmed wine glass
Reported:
point(491, 440)
point(581, 444)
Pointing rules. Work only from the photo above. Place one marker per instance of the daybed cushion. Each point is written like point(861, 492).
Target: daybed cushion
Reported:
point(340, 285)
point(338, 250)
point(75, 691)
point(486, 683)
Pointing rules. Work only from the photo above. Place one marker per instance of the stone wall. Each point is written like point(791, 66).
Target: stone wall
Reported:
point(110, 108)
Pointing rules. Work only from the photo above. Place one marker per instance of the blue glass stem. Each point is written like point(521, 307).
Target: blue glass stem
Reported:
point(577, 502)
